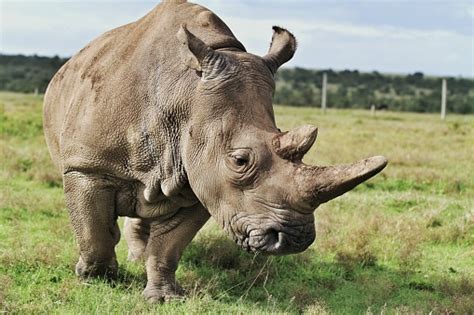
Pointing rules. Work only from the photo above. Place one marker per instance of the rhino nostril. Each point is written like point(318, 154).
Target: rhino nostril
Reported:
point(274, 239)
point(272, 236)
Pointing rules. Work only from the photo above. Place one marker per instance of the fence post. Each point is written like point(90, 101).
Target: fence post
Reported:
point(444, 92)
point(323, 92)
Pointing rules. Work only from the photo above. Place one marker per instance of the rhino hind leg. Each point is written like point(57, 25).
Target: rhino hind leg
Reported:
point(91, 203)
point(167, 242)
point(136, 232)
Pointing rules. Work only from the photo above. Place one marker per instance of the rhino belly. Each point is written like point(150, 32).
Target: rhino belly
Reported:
point(130, 202)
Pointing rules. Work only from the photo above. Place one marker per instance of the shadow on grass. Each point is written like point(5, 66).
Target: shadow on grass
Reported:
point(127, 279)
point(217, 267)
point(213, 268)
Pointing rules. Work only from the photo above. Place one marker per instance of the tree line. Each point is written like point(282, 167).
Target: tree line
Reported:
point(19, 73)
point(294, 86)
point(353, 89)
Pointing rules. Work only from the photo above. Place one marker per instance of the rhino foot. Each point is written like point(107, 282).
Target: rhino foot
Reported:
point(97, 269)
point(164, 293)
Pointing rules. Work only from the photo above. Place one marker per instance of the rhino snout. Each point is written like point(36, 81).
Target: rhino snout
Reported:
point(275, 237)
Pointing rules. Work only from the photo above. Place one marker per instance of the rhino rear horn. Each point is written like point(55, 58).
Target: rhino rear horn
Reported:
point(282, 48)
point(203, 58)
point(294, 144)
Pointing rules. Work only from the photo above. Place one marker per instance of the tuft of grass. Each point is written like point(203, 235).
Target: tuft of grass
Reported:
point(400, 243)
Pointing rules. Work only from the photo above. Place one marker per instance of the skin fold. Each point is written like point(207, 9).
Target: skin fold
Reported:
point(168, 121)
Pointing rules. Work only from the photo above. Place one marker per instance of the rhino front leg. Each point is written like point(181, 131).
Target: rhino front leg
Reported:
point(137, 232)
point(91, 203)
point(167, 241)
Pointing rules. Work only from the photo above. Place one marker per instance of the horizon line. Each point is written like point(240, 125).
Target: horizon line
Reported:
point(425, 74)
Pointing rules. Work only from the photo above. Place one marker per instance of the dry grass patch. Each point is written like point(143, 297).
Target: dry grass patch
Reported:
point(399, 244)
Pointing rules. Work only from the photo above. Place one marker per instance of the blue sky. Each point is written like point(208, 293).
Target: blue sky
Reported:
point(395, 36)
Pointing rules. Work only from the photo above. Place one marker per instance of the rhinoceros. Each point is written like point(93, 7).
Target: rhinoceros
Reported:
point(168, 121)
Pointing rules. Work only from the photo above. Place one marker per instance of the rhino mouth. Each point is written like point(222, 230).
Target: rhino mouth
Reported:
point(273, 237)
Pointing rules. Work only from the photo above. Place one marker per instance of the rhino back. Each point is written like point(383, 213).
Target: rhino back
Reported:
point(119, 105)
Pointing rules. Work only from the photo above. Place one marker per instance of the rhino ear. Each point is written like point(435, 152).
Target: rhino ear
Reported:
point(203, 58)
point(196, 48)
point(281, 50)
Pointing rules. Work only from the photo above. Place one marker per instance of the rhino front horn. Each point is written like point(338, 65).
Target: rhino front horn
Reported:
point(326, 183)
point(294, 144)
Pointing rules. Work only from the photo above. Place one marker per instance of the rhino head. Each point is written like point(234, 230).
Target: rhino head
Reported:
point(242, 168)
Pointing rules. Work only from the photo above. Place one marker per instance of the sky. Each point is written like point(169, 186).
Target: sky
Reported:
point(435, 37)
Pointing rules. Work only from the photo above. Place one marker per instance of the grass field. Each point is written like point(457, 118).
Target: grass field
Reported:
point(400, 243)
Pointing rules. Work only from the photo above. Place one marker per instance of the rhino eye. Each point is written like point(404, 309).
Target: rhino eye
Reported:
point(240, 160)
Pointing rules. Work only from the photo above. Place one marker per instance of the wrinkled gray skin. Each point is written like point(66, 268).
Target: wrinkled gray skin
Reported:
point(168, 120)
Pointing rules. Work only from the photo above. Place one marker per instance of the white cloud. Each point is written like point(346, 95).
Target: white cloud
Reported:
point(55, 27)
point(331, 39)
point(325, 44)
point(470, 11)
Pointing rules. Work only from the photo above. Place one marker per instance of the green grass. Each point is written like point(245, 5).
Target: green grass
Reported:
point(401, 243)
